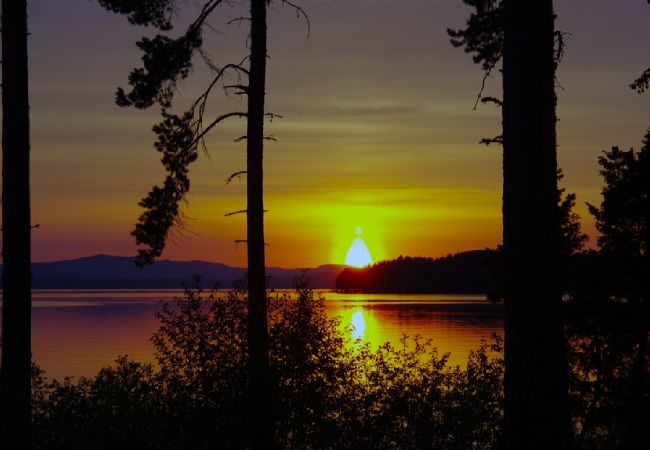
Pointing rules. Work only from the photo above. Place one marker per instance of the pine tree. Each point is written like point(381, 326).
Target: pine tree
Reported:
point(521, 35)
point(166, 60)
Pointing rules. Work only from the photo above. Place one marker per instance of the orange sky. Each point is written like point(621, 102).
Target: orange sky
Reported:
point(378, 130)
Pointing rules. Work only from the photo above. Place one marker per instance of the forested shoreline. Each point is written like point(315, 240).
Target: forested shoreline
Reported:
point(464, 273)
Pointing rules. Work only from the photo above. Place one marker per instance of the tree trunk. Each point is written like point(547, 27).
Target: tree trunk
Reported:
point(536, 397)
point(15, 387)
point(261, 425)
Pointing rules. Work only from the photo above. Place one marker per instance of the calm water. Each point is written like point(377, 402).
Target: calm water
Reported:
point(77, 332)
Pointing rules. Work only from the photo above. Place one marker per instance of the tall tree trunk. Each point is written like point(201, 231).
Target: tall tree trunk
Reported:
point(259, 389)
point(536, 397)
point(15, 389)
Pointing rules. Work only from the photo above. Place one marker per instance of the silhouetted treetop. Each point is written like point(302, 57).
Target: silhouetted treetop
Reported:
point(484, 33)
point(623, 218)
point(156, 13)
point(572, 239)
point(165, 61)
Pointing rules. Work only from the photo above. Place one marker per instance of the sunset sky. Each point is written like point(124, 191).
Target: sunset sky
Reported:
point(378, 129)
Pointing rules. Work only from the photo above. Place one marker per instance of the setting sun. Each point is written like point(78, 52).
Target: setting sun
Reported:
point(358, 254)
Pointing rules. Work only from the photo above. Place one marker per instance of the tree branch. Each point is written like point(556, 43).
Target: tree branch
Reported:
point(486, 75)
point(495, 140)
point(241, 211)
point(244, 89)
point(299, 12)
point(235, 175)
point(273, 116)
point(494, 100)
point(238, 20)
point(215, 122)
point(245, 241)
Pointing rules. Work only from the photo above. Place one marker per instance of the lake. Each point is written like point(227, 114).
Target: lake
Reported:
point(77, 332)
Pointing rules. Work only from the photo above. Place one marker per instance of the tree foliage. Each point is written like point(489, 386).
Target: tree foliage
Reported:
point(642, 83)
point(156, 13)
point(623, 218)
point(483, 36)
point(165, 61)
point(571, 235)
point(176, 142)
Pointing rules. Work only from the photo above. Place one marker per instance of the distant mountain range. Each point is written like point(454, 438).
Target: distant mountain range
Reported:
point(460, 273)
point(120, 272)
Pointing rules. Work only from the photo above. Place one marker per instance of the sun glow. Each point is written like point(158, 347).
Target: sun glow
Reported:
point(358, 254)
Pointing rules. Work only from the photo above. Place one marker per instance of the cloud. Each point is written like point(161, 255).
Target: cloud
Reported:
point(356, 111)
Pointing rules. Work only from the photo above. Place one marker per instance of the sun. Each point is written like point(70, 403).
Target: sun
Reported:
point(358, 254)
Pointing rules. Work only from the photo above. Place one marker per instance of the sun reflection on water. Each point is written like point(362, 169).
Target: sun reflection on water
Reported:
point(358, 324)
point(361, 324)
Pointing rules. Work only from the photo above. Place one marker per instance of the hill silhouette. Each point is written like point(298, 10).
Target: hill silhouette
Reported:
point(119, 272)
point(459, 273)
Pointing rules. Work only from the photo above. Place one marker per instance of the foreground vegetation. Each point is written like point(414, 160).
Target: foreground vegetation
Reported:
point(328, 391)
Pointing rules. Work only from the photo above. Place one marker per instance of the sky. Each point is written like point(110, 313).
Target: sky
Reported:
point(378, 130)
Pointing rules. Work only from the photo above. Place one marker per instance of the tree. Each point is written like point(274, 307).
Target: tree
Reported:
point(536, 404)
point(623, 220)
point(610, 310)
point(15, 390)
point(166, 60)
point(522, 36)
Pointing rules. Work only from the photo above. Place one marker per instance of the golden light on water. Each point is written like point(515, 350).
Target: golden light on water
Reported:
point(362, 325)
point(358, 254)
point(358, 324)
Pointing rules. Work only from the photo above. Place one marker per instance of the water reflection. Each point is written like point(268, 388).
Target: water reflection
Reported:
point(357, 324)
point(78, 332)
point(453, 327)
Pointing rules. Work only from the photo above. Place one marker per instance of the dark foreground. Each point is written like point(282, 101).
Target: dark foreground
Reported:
point(328, 392)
